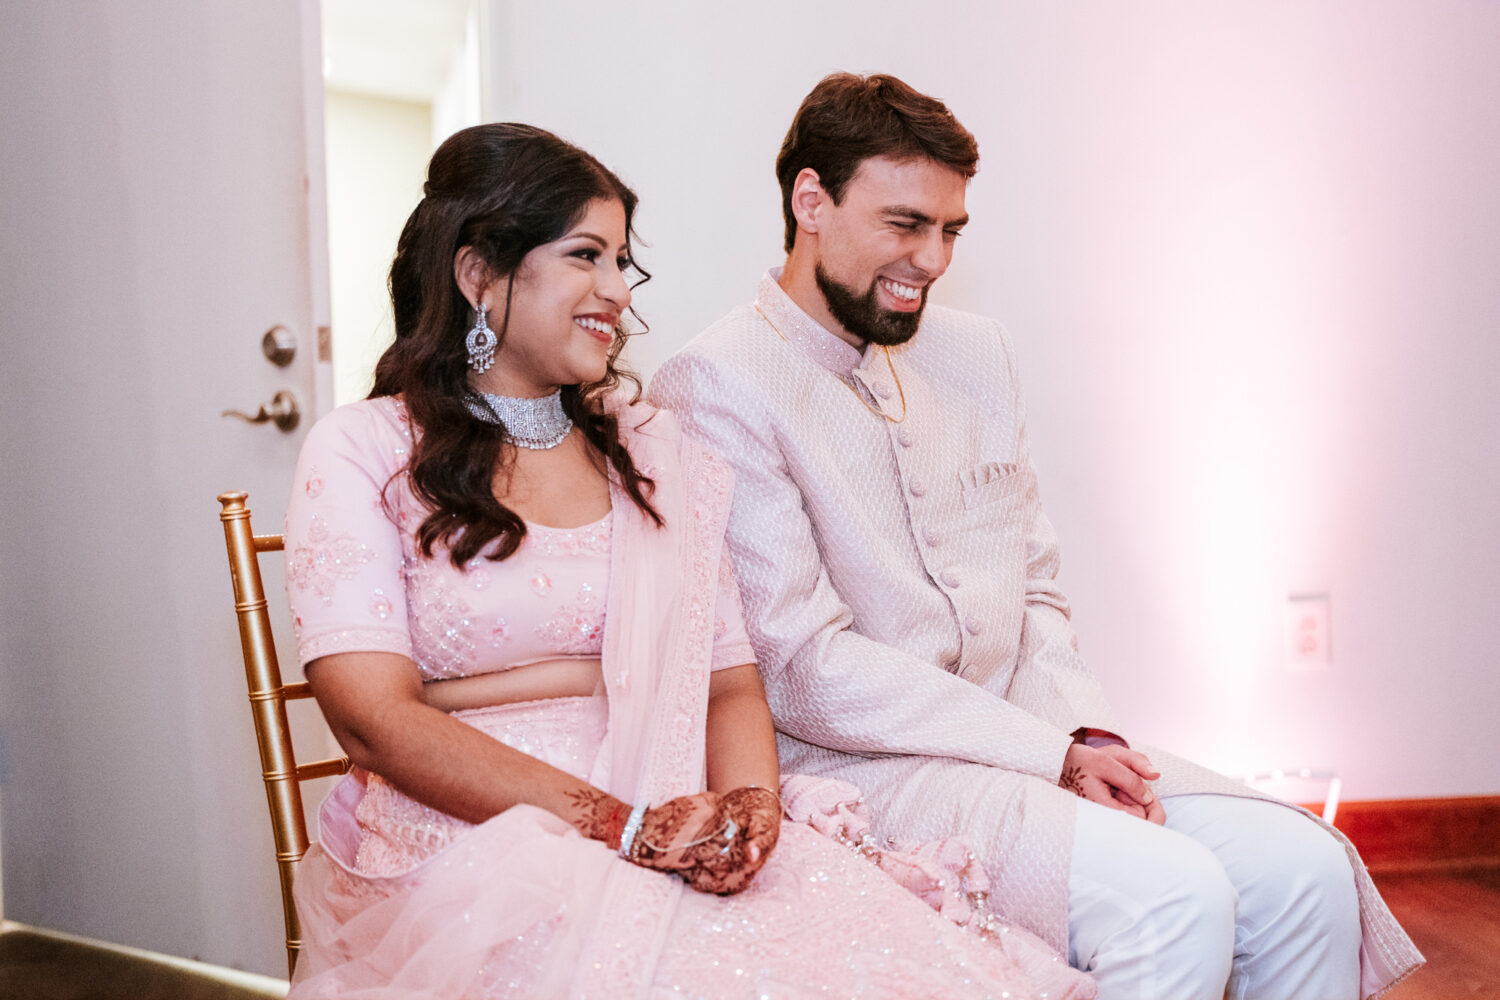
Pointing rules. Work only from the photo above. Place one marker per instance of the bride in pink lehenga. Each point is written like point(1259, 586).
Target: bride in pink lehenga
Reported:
point(513, 607)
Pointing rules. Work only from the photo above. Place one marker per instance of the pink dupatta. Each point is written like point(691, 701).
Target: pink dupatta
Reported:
point(658, 641)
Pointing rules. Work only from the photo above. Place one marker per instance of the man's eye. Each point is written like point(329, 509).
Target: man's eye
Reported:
point(906, 227)
point(952, 234)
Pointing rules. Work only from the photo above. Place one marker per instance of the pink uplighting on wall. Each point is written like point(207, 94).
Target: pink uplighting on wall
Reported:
point(1248, 260)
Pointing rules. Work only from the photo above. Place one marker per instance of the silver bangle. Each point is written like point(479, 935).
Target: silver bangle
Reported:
point(775, 794)
point(632, 827)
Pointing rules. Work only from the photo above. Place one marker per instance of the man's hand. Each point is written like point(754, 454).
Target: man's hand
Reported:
point(1113, 776)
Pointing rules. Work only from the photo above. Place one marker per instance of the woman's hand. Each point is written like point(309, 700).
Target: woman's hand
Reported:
point(757, 812)
point(716, 844)
point(686, 837)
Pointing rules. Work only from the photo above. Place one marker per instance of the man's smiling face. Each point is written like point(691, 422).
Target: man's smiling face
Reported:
point(882, 247)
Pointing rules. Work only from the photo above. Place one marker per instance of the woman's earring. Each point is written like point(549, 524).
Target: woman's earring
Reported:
point(481, 342)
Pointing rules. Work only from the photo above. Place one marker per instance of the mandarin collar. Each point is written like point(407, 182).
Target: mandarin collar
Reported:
point(802, 331)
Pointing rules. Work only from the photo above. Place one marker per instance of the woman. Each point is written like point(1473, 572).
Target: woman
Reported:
point(512, 606)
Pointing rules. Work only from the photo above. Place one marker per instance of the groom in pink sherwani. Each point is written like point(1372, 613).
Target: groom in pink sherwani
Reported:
point(898, 578)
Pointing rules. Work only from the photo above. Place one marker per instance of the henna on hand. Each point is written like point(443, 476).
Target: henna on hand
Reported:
point(1072, 779)
point(671, 828)
point(756, 813)
point(597, 815)
point(715, 845)
point(758, 810)
point(723, 865)
point(728, 861)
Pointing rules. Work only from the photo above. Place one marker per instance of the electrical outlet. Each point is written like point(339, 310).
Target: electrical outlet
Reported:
point(1308, 644)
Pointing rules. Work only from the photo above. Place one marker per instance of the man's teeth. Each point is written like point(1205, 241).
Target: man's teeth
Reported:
point(594, 324)
point(899, 290)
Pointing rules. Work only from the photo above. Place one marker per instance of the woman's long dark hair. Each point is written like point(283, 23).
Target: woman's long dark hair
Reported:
point(502, 189)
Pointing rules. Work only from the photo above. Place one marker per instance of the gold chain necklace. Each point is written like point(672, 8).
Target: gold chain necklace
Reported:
point(889, 364)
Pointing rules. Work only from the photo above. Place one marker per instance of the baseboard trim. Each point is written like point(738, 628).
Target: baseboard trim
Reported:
point(1423, 834)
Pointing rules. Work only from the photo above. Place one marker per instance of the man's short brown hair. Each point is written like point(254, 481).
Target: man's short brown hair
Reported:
point(847, 119)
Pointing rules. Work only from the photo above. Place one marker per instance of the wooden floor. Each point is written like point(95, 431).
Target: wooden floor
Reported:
point(1454, 917)
point(40, 965)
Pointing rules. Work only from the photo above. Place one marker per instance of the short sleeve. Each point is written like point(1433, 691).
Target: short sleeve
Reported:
point(343, 549)
point(731, 641)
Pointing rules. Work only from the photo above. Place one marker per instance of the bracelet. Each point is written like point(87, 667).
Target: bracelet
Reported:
point(727, 831)
point(632, 826)
point(774, 794)
point(612, 829)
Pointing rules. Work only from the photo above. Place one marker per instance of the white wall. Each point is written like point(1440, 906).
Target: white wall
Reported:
point(1248, 254)
point(154, 192)
point(377, 160)
point(457, 101)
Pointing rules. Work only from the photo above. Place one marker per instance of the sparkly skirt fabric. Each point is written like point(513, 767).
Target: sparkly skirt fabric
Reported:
point(399, 901)
point(398, 833)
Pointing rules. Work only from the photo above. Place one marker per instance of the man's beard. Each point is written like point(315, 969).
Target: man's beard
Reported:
point(862, 316)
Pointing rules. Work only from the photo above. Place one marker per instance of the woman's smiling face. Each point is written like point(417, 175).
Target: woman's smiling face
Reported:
point(565, 305)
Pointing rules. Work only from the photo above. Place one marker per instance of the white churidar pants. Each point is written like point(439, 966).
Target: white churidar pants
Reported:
point(1235, 898)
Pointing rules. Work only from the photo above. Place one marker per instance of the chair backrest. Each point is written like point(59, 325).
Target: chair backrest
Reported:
point(268, 697)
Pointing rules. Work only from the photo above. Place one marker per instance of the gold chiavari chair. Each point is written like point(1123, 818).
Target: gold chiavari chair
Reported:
point(268, 697)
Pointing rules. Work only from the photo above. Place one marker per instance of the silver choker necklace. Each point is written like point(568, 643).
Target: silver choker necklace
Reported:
point(537, 424)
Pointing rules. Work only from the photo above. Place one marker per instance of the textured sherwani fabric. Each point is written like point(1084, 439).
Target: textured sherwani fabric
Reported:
point(898, 575)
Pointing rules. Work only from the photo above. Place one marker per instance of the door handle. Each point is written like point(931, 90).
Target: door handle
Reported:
point(282, 411)
point(279, 346)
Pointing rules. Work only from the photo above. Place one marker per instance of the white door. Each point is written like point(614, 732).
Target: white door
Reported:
point(162, 184)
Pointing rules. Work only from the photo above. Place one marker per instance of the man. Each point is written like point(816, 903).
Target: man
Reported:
point(897, 571)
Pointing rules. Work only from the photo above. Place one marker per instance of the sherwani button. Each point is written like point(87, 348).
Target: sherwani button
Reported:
point(950, 578)
point(972, 624)
point(931, 537)
point(915, 488)
point(904, 436)
point(883, 390)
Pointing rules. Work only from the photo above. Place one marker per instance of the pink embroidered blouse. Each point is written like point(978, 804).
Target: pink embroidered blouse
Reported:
point(357, 582)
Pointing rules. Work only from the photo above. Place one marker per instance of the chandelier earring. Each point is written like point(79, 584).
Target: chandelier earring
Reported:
point(481, 342)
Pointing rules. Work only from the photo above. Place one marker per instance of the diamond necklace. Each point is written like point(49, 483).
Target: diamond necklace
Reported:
point(538, 423)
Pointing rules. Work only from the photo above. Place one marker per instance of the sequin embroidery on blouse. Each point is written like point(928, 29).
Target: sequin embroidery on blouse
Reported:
point(442, 626)
point(589, 540)
point(541, 583)
point(321, 564)
point(577, 628)
point(499, 633)
point(547, 600)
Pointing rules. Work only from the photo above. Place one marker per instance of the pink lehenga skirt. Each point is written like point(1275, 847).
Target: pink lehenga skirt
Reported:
point(399, 900)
